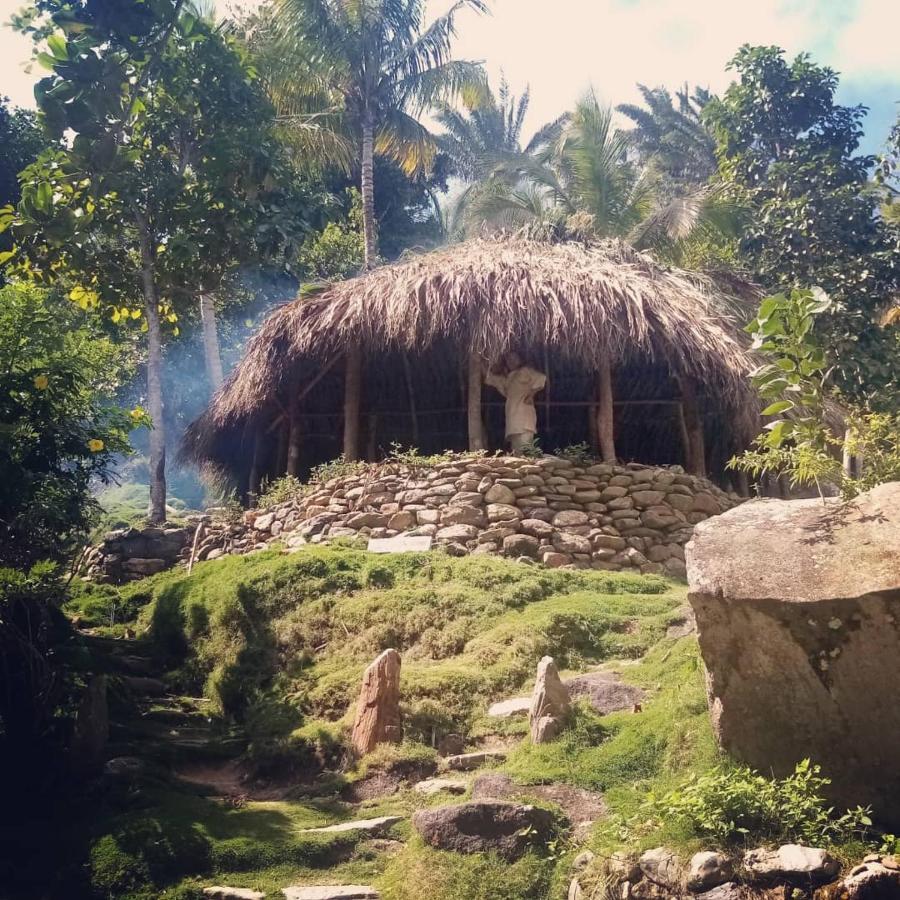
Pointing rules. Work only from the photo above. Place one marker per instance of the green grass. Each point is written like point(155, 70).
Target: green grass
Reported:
point(282, 640)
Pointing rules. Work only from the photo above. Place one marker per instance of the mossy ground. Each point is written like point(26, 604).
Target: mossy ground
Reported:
point(277, 644)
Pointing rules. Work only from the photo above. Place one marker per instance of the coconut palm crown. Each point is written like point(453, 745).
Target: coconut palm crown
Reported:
point(376, 66)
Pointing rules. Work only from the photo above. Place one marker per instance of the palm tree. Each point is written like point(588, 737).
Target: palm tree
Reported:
point(670, 133)
point(586, 183)
point(370, 68)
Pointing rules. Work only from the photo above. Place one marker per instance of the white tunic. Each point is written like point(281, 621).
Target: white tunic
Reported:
point(519, 388)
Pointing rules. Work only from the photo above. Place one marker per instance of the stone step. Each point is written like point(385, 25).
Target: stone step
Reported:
point(219, 892)
point(148, 687)
point(331, 892)
point(371, 826)
point(432, 786)
point(504, 709)
point(466, 762)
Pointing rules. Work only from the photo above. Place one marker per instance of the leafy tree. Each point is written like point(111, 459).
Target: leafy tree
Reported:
point(585, 183)
point(887, 175)
point(370, 69)
point(789, 153)
point(477, 137)
point(337, 250)
point(800, 439)
point(59, 426)
point(20, 143)
point(172, 178)
point(670, 133)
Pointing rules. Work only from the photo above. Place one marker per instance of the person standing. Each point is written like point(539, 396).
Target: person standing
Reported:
point(519, 386)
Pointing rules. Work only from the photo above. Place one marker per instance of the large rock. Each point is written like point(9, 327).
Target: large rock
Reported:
point(708, 869)
point(549, 703)
point(378, 709)
point(797, 606)
point(331, 892)
point(484, 826)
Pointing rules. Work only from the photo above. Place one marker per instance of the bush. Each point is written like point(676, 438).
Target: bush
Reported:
point(736, 805)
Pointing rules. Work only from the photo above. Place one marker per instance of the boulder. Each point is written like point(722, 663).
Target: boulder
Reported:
point(537, 528)
point(378, 709)
point(138, 566)
point(484, 826)
point(792, 863)
point(549, 703)
point(568, 518)
point(264, 522)
point(503, 512)
point(870, 881)
point(564, 542)
point(797, 605)
point(402, 520)
point(466, 762)
point(707, 870)
point(604, 691)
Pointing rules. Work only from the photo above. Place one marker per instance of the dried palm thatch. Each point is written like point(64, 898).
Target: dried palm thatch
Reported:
point(581, 302)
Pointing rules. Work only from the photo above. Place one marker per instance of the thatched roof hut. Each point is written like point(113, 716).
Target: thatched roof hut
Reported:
point(644, 362)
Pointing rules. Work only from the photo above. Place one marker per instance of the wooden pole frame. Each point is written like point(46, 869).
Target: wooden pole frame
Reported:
point(473, 400)
point(605, 408)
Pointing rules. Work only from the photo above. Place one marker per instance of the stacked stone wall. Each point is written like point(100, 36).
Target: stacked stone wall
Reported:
point(550, 510)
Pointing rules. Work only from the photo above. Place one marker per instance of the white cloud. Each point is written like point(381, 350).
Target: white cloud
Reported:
point(868, 45)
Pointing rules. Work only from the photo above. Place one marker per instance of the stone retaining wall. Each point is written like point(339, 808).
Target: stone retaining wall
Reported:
point(549, 510)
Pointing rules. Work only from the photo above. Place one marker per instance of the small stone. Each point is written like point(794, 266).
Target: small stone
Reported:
point(461, 533)
point(504, 709)
point(646, 499)
point(661, 866)
point(432, 786)
point(570, 517)
point(516, 545)
point(367, 520)
point(466, 762)
point(402, 520)
point(501, 512)
point(554, 560)
point(499, 493)
point(537, 528)
point(264, 522)
point(708, 870)
point(564, 542)
point(215, 553)
point(428, 516)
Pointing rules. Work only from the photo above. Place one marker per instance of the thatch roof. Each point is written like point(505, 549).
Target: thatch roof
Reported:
point(492, 294)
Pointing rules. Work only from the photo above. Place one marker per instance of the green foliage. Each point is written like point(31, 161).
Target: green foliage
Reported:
point(20, 143)
point(798, 441)
point(735, 805)
point(788, 153)
point(580, 454)
point(60, 429)
point(337, 250)
point(288, 487)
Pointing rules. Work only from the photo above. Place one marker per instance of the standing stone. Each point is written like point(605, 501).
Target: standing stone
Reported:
point(378, 709)
point(798, 612)
point(549, 703)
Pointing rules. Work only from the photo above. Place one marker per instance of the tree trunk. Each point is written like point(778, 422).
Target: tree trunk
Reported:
point(370, 235)
point(475, 424)
point(294, 438)
point(154, 380)
point(605, 428)
point(211, 342)
point(352, 391)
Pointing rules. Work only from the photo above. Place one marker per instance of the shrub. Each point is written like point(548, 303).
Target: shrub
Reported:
point(737, 805)
point(288, 487)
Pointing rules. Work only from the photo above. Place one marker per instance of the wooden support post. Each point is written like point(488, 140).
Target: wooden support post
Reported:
point(255, 468)
point(352, 392)
point(743, 483)
point(476, 426)
point(372, 438)
point(693, 424)
point(284, 437)
point(605, 427)
point(294, 436)
point(411, 392)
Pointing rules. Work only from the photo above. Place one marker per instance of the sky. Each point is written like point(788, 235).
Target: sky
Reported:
point(561, 47)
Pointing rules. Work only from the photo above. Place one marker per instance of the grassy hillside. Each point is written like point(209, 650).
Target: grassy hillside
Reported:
point(275, 645)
